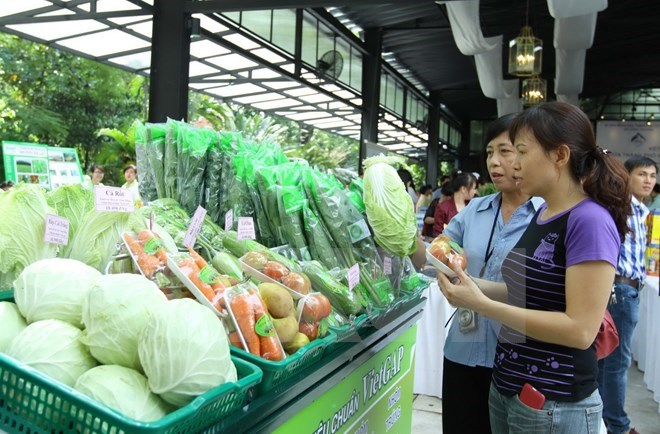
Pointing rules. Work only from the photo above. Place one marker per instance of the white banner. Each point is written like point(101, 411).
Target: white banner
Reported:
point(630, 139)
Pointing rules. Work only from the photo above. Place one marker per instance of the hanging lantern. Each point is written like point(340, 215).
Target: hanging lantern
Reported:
point(534, 91)
point(525, 54)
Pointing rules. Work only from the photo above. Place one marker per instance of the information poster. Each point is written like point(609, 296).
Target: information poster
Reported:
point(376, 398)
point(26, 162)
point(48, 166)
point(64, 167)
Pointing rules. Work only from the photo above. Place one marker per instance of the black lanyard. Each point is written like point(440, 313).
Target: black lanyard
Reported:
point(489, 252)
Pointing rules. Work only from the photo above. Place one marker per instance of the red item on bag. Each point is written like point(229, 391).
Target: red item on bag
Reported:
point(607, 338)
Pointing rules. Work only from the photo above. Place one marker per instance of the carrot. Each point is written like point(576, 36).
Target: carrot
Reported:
point(145, 236)
point(270, 347)
point(243, 311)
point(149, 264)
point(201, 263)
point(189, 268)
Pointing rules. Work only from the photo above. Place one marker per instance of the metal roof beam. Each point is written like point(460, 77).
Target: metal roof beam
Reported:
point(208, 6)
point(72, 17)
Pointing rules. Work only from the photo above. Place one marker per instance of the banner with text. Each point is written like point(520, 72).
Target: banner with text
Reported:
point(375, 398)
point(630, 139)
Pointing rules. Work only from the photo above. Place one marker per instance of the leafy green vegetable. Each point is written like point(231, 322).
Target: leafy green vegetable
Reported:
point(54, 288)
point(52, 347)
point(72, 202)
point(184, 350)
point(23, 209)
point(11, 323)
point(124, 390)
point(389, 209)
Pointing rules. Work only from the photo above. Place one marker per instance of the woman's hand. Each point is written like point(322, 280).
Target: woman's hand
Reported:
point(461, 291)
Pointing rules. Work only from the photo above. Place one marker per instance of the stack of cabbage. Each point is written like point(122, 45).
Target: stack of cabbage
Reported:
point(156, 355)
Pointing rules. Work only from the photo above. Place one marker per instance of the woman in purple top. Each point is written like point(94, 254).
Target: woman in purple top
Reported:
point(557, 279)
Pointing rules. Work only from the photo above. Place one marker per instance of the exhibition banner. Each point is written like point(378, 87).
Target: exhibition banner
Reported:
point(26, 162)
point(47, 166)
point(375, 398)
point(630, 138)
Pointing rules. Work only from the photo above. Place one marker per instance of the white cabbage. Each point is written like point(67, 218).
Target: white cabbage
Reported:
point(114, 312)
point(54, 289)
point(11, 323)
point(122, 389)
point(185, 352)
point(53, 348)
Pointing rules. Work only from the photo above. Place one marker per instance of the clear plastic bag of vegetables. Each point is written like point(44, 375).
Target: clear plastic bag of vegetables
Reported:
point(254, 330)
point(170, 163)
point(192, 145)
point(147, 185)
point(156, 156)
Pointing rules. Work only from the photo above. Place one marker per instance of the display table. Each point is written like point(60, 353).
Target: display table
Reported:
point(363, 385)
point(431, 334)
point(646, 339)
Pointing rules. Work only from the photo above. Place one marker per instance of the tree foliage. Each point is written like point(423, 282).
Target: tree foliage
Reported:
point(56, 98)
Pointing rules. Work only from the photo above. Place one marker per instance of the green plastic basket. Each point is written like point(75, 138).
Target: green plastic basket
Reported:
point(33, 403)
point(277, 373)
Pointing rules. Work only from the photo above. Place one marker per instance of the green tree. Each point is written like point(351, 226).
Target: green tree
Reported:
point(56, 98)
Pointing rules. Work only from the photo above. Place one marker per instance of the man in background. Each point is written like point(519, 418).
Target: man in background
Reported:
point(624, 306)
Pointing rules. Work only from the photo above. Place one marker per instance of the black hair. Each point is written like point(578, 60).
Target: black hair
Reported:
point(406, 177)
point(445, 178)
point(656, 188)
point(603, 177)
point(498, 126)
point(130, 166)
point(425, 188)
point(461, 179)
point(633, 163)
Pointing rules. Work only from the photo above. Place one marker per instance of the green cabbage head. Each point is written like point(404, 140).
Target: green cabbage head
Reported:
point(53, 348)
point(115, 311)
point(124, 390)
point(185, 352)
point(389, 208)
point(54, 289)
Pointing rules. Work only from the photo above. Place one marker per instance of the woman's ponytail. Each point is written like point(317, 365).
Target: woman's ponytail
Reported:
point(606, 180)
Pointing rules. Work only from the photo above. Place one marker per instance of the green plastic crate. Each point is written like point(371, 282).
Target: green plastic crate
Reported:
point(33, 403)
point(276, 373)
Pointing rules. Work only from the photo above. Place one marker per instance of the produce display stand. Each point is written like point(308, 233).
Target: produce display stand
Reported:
point(309, 401)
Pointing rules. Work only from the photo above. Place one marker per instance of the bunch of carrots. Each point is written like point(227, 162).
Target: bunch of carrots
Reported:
point(149, 263)
point(192, 267)
point(248, 309)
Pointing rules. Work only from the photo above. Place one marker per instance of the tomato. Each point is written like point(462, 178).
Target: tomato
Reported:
point(275, 270)
point(297, 282)
point(309, 329)
point(316, 307)
point(444, 248)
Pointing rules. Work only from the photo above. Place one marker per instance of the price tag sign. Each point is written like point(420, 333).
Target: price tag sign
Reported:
point(194, 227)
point(113, 199)
point(246, 228)
point(353, 276)
point(387, 265)
point(229, 220)
point(57, 230)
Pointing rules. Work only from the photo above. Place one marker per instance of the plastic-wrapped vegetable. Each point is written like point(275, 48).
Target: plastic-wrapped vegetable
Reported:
point(147, 184)
point(170, 163)
point(156, 156)
point(192, 144)
point(213, 182)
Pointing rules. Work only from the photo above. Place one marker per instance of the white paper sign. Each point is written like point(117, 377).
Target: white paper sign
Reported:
point(57, 230)
point(113, 199)
point(353, 276)
point(229, 220)
point(194, 227)
point(387, 265)
point(246, 228)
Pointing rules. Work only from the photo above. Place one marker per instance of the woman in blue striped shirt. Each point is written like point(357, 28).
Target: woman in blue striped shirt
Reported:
point(557, 279)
